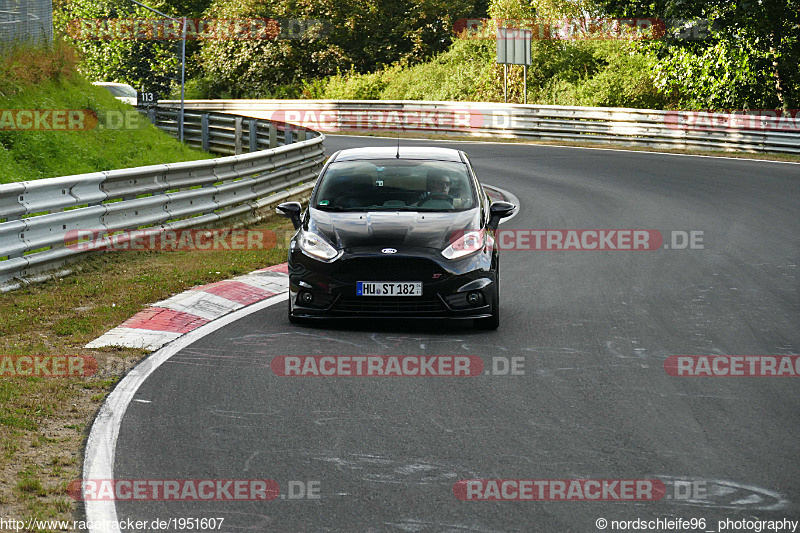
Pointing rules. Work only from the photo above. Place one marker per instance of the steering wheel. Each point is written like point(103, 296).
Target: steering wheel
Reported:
point(435, 196)
point(440, 196)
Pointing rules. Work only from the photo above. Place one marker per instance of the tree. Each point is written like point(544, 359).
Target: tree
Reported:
point(749, 59)
point(358, 35)
point(151, 64)
point(771, 29)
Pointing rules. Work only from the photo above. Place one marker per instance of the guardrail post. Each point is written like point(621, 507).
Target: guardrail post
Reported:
point(273, 136)
point(204, 131)
point(237, 137)
point(287, 135)
point(301, 135)
point(253, 134)
point(151, 115)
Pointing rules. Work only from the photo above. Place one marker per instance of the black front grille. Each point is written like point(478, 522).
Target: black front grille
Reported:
point(399, 305)
point(389, 269)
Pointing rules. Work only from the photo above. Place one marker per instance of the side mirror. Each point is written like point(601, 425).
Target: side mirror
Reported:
point(497, 211)
point(291, 210)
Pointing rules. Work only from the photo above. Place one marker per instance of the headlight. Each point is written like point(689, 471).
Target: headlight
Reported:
point(468, 243)
point(315, 246)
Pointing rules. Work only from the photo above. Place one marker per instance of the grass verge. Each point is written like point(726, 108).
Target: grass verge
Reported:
point(44, 421)
point(41, 80)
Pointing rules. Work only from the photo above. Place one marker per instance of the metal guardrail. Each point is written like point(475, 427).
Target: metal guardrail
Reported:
point(635, 127)
point(38, 217)
point(35, 216)
point(226, 134)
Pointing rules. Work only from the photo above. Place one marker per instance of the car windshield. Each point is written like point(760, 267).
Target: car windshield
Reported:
point(395, 184)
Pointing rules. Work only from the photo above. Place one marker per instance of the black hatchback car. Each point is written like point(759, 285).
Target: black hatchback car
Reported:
point(396, 233)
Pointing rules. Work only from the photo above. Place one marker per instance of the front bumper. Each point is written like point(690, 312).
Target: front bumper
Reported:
point(328, 290)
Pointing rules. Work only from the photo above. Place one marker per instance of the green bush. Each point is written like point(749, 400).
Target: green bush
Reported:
point(458, 74)
point(725, 75)
point(454, 75)
point(358, 86)
point(627, 79)
point(587, 73)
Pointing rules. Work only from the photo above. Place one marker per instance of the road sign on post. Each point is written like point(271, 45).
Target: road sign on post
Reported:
point(514, 48)
point(146, 98)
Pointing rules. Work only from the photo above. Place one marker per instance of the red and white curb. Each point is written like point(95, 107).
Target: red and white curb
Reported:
point(169, 319)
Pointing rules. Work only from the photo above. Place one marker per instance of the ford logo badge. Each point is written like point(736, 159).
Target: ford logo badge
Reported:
point(388, 251)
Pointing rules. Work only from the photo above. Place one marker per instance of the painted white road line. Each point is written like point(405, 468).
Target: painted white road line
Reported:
point(101, 444)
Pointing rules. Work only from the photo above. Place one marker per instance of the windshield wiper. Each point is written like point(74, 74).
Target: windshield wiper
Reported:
point(329, 207)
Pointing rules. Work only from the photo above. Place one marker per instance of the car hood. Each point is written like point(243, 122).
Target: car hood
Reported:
point(399, 229)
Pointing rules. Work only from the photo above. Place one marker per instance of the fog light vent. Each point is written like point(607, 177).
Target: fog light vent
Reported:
point(475, 298)
point(306, 297)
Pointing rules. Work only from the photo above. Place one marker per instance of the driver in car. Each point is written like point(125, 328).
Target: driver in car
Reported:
point(438, 187)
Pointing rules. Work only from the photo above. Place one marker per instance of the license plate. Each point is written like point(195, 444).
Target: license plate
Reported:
point(389, 288)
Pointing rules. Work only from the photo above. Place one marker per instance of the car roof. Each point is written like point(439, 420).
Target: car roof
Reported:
point(406, 152)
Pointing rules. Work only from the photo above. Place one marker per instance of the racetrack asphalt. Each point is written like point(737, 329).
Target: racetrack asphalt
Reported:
point(591, 331)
